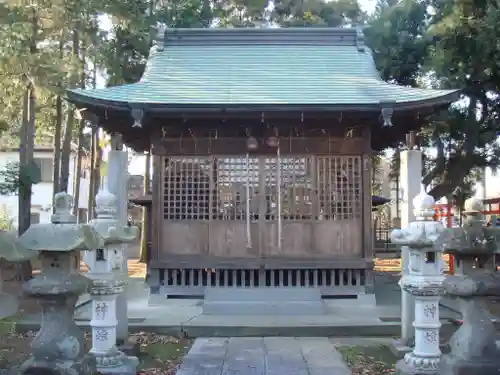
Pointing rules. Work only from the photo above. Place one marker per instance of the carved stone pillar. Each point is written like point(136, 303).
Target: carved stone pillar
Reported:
point(410, 177)
point(423, 282)
point(107, 286)
point(117, 183)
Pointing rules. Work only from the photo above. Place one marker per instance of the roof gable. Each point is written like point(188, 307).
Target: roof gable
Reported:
point(326, 68)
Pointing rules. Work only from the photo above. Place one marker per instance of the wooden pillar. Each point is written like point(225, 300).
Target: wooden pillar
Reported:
point(367, 221)
point(366, 191)
point(157, 207)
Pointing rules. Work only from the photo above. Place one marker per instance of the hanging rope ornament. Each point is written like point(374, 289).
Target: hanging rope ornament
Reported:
point(252, 144)
point(273, 142)
point(278, 203)
point(247, 209)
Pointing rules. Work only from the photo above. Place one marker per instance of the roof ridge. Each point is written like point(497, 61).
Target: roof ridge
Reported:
point(334, 36)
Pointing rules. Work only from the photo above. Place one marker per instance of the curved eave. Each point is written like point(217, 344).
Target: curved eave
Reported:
point(97, 99)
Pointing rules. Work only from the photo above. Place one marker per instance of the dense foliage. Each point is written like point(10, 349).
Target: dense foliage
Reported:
point(446, 44)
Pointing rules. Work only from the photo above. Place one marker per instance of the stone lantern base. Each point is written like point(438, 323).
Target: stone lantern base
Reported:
point(117, 364)
point(81, 366)
point(9, 305)
point(59, 346)
point(480, 366)
point(411, 365)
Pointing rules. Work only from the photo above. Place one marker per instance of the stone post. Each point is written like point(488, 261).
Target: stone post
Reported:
point(117, 182)
point(107, 287)
point(9, 305)
point(410, 182)
point(12, 251)
point(59, 345)
point(473, 346)
point(424, 283)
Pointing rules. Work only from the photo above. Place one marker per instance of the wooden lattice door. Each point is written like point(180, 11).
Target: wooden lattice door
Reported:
point(263, 209)
point(234, 224)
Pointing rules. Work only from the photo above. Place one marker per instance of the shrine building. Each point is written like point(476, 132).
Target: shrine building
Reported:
point(262, 142)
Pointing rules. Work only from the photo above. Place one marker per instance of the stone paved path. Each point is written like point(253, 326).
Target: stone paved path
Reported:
point(263, 356)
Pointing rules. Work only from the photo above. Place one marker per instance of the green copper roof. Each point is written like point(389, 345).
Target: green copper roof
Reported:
point(322, 67)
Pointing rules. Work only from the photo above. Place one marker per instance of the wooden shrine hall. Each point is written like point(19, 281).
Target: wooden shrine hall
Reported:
point(262, 142)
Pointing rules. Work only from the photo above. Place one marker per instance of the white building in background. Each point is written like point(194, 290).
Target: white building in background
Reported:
point(41, 200)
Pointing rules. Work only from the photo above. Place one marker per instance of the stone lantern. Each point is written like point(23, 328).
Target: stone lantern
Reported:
point(473, 346)
point(59, 345)
point(424, 283)
point(106, 287)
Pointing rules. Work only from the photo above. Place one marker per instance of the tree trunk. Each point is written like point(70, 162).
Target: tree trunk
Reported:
point(25, 161)
point(144, 257)
point(81, 139)
point(68, 131)
point(57, 135)
point(26, 151)
point(57, 146)
point(66, 150)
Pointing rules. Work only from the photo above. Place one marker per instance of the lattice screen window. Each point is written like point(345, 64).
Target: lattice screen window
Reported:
point(339, 182)
point(216, 188)
point(187, 188)
point(295, 188)
point(231, 187)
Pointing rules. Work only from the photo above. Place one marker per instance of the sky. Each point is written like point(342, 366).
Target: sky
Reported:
point(368, 5)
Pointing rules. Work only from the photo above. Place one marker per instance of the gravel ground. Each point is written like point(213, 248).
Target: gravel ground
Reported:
point(369, 360)
point(159, 355)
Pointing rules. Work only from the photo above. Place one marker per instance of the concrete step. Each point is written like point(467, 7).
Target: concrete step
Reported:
point(263, 301)
point(300, 327)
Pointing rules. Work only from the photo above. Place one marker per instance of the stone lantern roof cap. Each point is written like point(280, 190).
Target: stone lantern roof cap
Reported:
point(473, 205)
point(12, 250)
point(63, 234)
point(106, 203)
point(107, 223)
point(62, 208)
point(423, 205)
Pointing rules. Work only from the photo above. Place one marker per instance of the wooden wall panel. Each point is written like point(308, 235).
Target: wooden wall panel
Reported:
point(200, 202)
point(238, 146)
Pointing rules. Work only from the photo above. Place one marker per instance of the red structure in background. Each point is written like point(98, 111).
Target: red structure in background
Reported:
point(446, 211)
point(492, 206)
